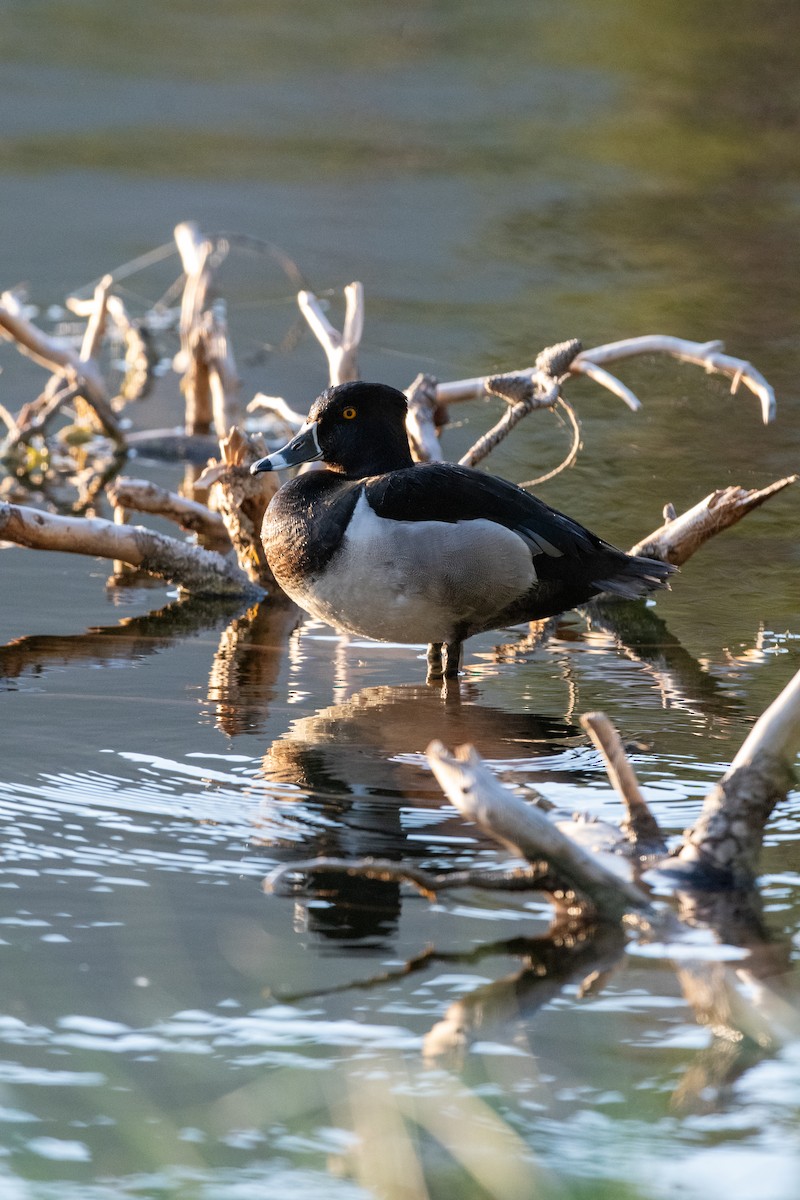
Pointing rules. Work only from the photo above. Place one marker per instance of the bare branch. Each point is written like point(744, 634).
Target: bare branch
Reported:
point(641, 826)
point(421, 424)
point(726, 839)
point(477, 795)
point(52, 353)
point(241, 500)
point(703, 354)
point(341, 349)
point(678, 539)
point(511, 417)
point(278, 406)
point(606, 380)
point(195, 570)
point(223, 378)
point(591, 363)
point(140, 495)
point(95, 326)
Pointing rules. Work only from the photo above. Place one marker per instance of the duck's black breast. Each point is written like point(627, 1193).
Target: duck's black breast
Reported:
point(305, 523)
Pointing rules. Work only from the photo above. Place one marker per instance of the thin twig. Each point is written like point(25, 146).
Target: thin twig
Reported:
point(522, 878)
point(641, 827)
point(572, 453)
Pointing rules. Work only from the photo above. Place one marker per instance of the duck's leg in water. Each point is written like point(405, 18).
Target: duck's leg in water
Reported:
point(435, 662)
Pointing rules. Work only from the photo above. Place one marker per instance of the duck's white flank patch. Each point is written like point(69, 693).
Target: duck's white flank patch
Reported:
point(419, 581)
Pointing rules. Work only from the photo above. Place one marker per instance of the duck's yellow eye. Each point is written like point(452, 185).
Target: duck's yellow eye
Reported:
point(348, 413)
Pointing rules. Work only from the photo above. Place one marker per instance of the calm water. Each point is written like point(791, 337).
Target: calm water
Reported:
point(166, 1029)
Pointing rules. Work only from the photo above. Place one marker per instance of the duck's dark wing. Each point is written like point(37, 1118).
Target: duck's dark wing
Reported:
point(446, 492)
point(449, 493)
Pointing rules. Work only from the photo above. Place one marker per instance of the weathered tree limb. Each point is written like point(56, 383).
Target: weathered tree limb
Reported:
point(52, 353)
point(423, 419)
point(591, 364)
point(241, 499)
point(96, 323)
point(278, 406)
point(191, 362)
point(679, 538)
point(138, 358)
point(477, 795)
point(641, 827)
point(605, 380)
point(341, 349)
point(140, 495)
point(533, 876)
point(223, 378)
point(511, 417)
point(725, 841)
point(79, 371)
point(195, 570)
point(703, 354)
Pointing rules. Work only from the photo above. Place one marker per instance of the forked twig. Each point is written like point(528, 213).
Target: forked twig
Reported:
point(341, 349)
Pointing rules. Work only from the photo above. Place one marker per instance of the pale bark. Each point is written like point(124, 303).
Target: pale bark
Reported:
point(341, 349)
point(140, 495)
point(241, 499)
point(195, 570)
point(702, 354)
point(591, 363)
point(679, 538)
point(726, 839)
point(75, 375)
point(471, 787)
point(52, 353)
point(421, 422)
point(641, 827)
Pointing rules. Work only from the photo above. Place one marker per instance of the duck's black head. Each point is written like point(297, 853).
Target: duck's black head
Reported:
point(357, 429)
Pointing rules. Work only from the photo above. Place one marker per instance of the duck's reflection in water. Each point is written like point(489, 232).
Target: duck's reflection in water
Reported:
point(396, 809)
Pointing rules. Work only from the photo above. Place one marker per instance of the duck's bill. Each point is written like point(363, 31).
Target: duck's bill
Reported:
point(303, 448)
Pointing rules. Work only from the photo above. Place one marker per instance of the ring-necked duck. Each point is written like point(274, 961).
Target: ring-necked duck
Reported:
point(398, 551)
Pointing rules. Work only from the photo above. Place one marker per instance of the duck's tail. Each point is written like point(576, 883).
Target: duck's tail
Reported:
point(636, 577)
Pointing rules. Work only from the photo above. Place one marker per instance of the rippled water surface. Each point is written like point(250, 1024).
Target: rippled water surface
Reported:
point(167, 1029)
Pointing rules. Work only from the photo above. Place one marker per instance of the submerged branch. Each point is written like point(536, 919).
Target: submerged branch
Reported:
point(641, 827)
point(702, 354)
point(473, 789)
point(725, 841)
point(523, 878)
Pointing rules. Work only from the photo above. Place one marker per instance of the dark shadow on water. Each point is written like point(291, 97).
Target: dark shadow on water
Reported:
point(357, 763)
point(133, 638)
